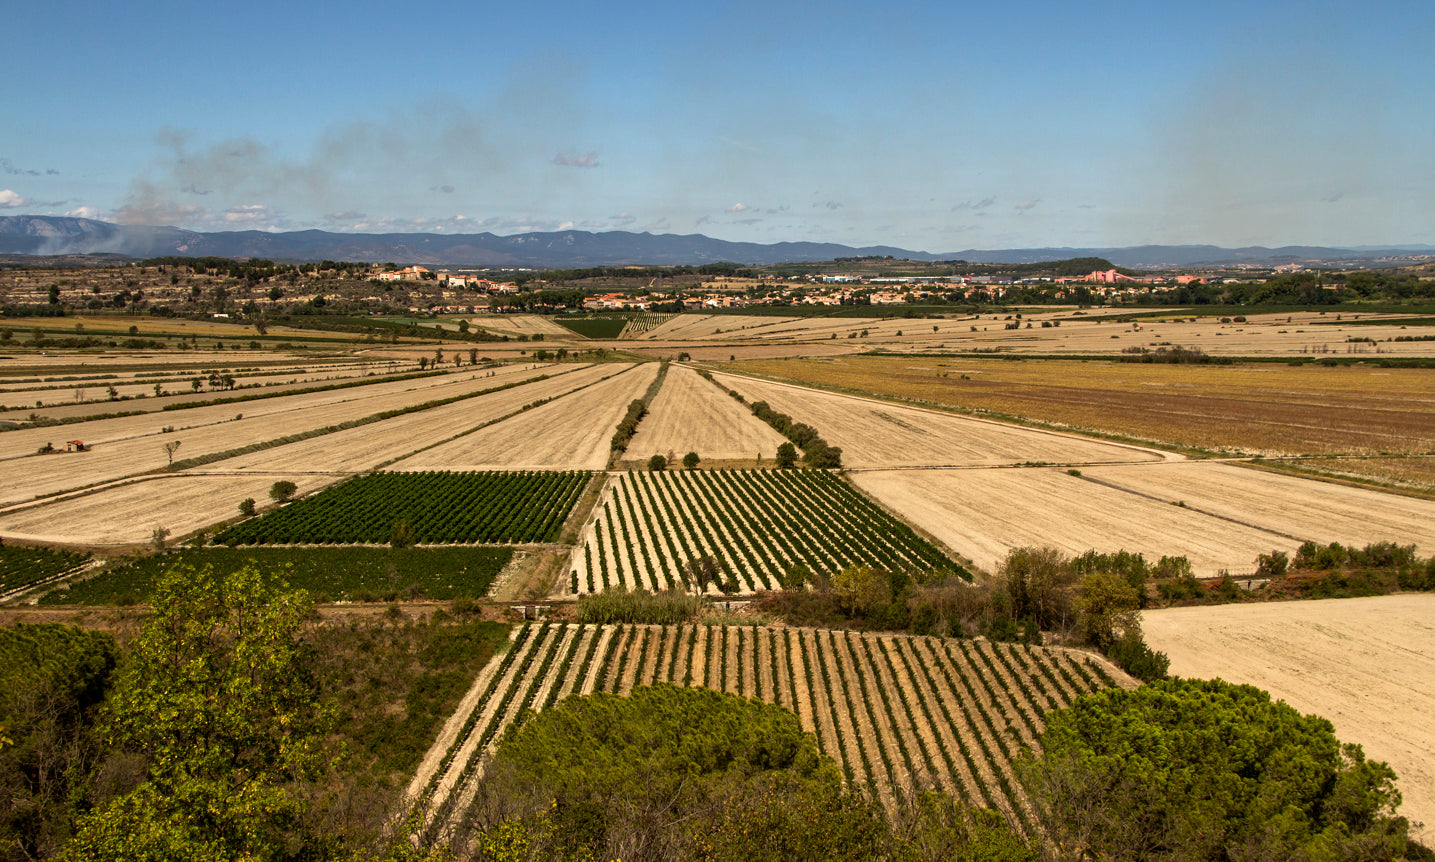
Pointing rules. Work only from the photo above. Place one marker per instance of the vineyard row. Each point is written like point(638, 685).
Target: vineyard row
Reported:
point(893, 711)
point(758, 523)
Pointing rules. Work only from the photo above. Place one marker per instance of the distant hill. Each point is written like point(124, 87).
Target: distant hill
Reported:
point(54, 235)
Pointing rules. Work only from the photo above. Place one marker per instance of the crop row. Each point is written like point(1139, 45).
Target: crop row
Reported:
point(893, 711)
point(758, 525)
point(21, 567)
point(437, 507)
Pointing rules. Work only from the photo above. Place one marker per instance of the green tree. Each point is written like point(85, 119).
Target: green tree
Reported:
point(54, 678)
point(691, 461)
point(860, 588)
point(671, 773)
point(1195, 770)
point(216, 696)
point(786, 456)
point(1109, 608)
point(246, 506)
point(657, 462)
point(282, 490)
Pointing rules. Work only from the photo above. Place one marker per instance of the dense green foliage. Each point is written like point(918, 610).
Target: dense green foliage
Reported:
point(621, 606)
point(600, 326)
point(680, 773)
point(217, 696)
point(329, 574)
point(1192, 770)
point(816, 452)
point(392, 683)
point(672, 772)
point(20, 566)
point(53, 678)
point(441, 508)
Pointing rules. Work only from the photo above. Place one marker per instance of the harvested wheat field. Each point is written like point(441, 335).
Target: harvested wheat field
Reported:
point(889, 710)
point(1367, 665)
point(572, 433)
point(876, 434)
point(984, 513)
point(1322, 512)
point(1267, 408)
point(522, 324)
point(368, 447)
point(690, 414)
point(132, 445)
point(128, 514)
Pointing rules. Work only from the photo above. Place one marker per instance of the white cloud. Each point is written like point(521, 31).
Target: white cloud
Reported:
point(736, 208)
point(1027, 204)
point(10, 199)
point(84, 212)
point(247, 214)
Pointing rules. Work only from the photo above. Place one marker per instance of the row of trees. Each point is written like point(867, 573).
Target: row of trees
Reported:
point(816, 452)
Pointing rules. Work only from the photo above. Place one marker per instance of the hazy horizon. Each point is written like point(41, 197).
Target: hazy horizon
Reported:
point(923, 126)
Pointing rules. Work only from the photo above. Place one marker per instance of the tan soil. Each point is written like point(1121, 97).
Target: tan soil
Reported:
point(875, 434)
point(1322, 512)
point(835, 724)
point(1367, 665)
point(571, 433)
point(605, 642)
point(690, 414)
point(984, 513)
point(132, 445)
point(128, 514)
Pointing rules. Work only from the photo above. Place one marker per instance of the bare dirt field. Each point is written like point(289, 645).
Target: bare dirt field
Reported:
point(573, 432)
point(690, 414)
point(1267, 408)
point(1367, 665)
point(875, 434)
point(984, 513)
point(1321, 512)
point(127, 514)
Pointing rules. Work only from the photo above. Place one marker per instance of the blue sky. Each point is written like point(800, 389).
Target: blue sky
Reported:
point(935, 126)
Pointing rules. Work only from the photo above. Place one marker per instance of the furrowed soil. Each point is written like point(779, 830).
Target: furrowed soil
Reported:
point(1367, 665)
point(1265, 408)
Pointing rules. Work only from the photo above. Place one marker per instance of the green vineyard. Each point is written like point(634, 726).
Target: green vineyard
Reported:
point(437, 507)
point(20, 567)
point(758, 523)
point(893, 711)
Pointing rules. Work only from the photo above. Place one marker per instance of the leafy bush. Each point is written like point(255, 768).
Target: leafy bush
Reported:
point(620, 606)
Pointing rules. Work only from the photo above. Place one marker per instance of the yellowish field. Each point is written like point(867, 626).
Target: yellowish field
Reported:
point(127, 514)
point(1079, 332)
point(573, 432)
point(1367, 665)
point(690, 414)
point(984, 513)
point(874, 434)
point(1300, 508)
point(369, 446)
point(1268, 408)
point(131, 445)
point(522, 324)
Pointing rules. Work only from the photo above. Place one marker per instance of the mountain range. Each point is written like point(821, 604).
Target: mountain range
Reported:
point(55, 235)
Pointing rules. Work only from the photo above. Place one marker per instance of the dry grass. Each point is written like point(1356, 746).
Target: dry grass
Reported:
point(1249, 408)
